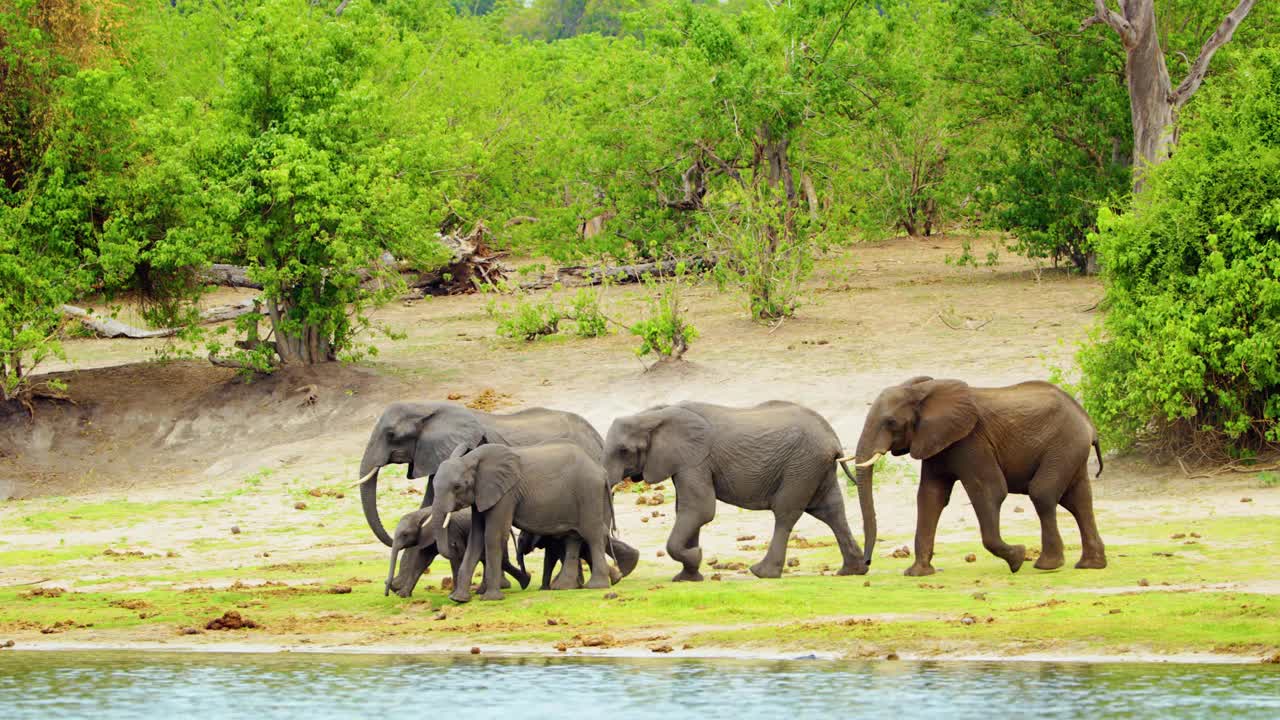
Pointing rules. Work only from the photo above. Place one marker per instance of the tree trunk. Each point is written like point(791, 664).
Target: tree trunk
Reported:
point(1151, 112)
point(1153, 101)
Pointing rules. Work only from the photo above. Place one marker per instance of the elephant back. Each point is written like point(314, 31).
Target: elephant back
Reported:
point(541, 425)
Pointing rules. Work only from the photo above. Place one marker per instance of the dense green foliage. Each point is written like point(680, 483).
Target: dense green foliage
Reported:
point(141, 140)
point(1190, 348)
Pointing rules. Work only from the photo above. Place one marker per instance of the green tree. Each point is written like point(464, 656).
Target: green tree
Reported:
point(313, 179)
point(1188, 356)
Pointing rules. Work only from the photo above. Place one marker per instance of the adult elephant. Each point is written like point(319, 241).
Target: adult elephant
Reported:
point(775, 456)
point(1031, 438)
point(425, 434)
point(553, 490)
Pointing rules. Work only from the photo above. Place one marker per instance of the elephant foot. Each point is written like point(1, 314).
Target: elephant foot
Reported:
point(492, 595)
point(1016, 555)
point(761, 570)
point(460, 596)
point(598, 581)
point(859, 569)
point(563, 583)
point(919, 571)
point(404, 593)
point(1092, 563)
point(1045, 562)
point(505, 584)
point(687, 575)
point(523, 579)
point(614, 575)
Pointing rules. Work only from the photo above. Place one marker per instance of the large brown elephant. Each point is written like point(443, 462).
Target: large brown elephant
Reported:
point(1031, 438)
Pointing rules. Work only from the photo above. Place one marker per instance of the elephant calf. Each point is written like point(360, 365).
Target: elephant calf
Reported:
point(1031, 438)
point(555, 549)
point(420, 548)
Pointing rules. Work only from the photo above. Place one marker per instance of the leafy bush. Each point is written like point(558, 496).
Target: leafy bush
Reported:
point(766, 250)
point(584, 310)
point(664, 331)
point(1188, 357)
point(527, 320)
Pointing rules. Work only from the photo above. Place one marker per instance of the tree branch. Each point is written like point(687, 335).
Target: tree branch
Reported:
point(1200, 67)
point(1103, 14)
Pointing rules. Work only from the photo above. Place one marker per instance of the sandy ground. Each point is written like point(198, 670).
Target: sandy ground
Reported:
point(873, 316)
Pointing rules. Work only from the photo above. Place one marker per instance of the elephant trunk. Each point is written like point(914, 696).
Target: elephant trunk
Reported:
point(869, 446)
point(435, 527)
point(391, 571)
point(369, 501)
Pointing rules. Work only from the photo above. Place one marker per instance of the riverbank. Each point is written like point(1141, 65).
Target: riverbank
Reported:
point(169, 496)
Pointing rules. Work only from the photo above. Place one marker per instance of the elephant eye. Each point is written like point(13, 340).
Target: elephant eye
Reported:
point(891, 422)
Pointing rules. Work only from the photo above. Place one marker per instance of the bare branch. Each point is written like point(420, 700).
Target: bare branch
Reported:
point(1103, 14)
point(1220, 37)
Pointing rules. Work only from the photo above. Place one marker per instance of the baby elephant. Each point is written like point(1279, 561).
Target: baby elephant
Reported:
point(555, 548)
point(420, 548)
point(552, 489)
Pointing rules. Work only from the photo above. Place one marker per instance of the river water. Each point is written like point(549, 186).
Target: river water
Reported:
point(119, 685)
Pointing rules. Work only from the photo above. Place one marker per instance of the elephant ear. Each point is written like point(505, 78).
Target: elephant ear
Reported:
point(679, 438)
point(946, 413)
point(916, 380)
point(440, 434)
point(497, 472)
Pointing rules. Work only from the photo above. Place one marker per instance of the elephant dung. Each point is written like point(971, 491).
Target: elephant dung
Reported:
point(901, 552)
point(793, 562)
point(971, 558)
point(661, 648)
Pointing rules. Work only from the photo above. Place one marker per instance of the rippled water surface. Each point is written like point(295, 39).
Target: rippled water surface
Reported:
point(117, 685)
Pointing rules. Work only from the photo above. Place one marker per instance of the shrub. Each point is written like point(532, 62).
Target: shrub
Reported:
point(1188, 357)
point(664, 331)
point(588, 319)
point(766, 250)
point(527, 319)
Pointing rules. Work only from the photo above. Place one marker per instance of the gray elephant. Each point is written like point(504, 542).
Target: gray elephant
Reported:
point(1031, 438)
point(775, 456)
point(555, 548)
point(424, 434)
point(552, 489)
point(419, 550)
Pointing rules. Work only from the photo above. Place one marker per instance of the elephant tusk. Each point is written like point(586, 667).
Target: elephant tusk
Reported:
point(846, 458)
point(870, 461)
point(428, 522)
point(366, 478)
point(447, 518)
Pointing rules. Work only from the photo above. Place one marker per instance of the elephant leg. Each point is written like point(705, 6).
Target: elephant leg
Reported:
point(1045, 490)
point(932, 496)
point(475, 544)
point(1078, 501)
point(776, 555)
point(521, 576)
point(549, 560)
point(601, 571)
point(831, 512)
point(497, 530)
point(570, 577)
point(626, 556)
point(987, 490)
point(696, 506)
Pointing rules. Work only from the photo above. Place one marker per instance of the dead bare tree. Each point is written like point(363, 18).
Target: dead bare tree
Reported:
point(1153, 100)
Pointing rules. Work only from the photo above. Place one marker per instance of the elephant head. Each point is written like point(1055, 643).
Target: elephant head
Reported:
point(410, 534)
point(478, 479)
point(655, 444)
point(420, 434)
point(922, 416)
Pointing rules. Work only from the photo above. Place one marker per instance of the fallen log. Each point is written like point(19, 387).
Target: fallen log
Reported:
point(229, 276)
point(107, 327)
point(618, 274)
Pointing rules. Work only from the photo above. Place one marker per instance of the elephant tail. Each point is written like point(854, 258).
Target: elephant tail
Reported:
point(1097, 450)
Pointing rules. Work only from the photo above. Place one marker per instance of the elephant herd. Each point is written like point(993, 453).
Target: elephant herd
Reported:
point(549, 474)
